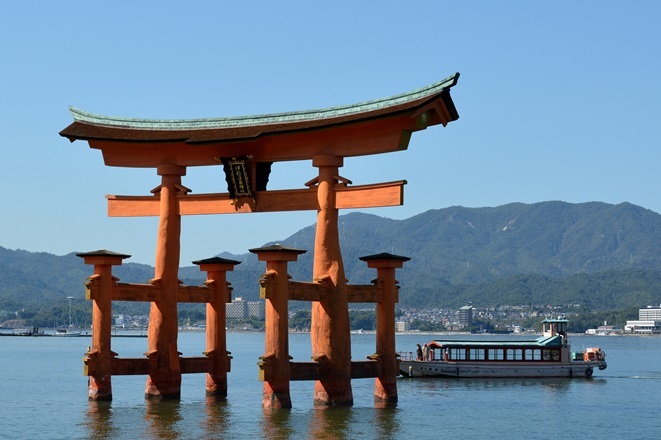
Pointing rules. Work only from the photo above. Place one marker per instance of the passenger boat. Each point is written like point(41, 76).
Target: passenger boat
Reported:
point(549, 355)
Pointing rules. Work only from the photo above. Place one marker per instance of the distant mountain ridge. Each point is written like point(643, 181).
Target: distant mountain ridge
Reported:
point(451, 248)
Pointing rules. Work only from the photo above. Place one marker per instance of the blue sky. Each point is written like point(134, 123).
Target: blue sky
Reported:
point(557, 101)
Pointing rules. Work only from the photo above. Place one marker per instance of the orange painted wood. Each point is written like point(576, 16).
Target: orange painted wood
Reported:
point(133, 206)
point(363, 293)
point(370, 196)
point(195, 364)
point(143, 366)
point(100, 386)
point(298, 291)
point(374, 136)
point(304, 370)
point(148, 292)
point(275, 362)
point(350, 197)
point(385, 386)
point(301, 291)
point(365, 369)
point(99, 357)
point(216, 337)
point(165, 380)
point(329, 329)
point(312, 370)
point(131, 366)
point(195, 294)
point(134, 292)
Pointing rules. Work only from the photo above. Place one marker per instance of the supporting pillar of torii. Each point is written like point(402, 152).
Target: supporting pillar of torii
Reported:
point(385, 386)
point(100, 354)
point(274, 365)
point(216, 321)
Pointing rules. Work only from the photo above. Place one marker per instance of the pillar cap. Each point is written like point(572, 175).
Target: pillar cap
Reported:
point(384, 256)
point(103, 257)
point(277, 252)
point(102, 253)
point(277, 248)
point(327, 160)
point(165, 169)
point(216, 260)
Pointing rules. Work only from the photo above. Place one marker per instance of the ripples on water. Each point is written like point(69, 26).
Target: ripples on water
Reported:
point(44, 395)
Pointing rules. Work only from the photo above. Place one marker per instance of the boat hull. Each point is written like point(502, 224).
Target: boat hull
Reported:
point(495, 370)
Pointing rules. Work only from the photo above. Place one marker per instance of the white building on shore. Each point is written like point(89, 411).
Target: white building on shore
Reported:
point(240, 309)
point(649, 322)
point(650, 313)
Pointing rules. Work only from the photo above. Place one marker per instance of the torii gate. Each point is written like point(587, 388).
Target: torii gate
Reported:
point(247, 147)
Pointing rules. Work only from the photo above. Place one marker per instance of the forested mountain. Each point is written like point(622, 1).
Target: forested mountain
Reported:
point(597, 254)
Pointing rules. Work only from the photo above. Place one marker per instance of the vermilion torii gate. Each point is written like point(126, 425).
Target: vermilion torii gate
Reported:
point(247, 147)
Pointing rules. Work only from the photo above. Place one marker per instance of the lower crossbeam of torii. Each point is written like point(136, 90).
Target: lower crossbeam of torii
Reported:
point(248, 147)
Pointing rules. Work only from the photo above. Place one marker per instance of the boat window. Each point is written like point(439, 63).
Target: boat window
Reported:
point(514, 354)
point(458, 354)
point(534, 354)
point(477, 354)
point(550, 354)
point(496, 354)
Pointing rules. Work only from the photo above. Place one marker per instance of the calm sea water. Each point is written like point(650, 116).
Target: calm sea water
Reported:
point(43, 395)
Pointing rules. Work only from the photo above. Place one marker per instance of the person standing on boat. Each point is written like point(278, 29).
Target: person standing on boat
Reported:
point(425, 349)
point(418, 353)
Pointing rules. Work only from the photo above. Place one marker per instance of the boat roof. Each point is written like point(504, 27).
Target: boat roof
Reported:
point(552, 341)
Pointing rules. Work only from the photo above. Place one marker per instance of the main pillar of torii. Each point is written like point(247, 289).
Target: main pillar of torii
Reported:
point(248, 147)
point(330, 317)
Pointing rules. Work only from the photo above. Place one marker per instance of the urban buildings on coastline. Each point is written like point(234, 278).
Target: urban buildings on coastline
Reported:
point(240, 309)
point(504, 318)
point(649, 321)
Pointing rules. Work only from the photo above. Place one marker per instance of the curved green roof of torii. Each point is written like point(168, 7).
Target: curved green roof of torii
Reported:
point(371, 127)
point(267, 119)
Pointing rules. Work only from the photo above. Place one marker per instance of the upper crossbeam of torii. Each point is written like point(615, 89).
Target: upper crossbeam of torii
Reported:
point(372, 127)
